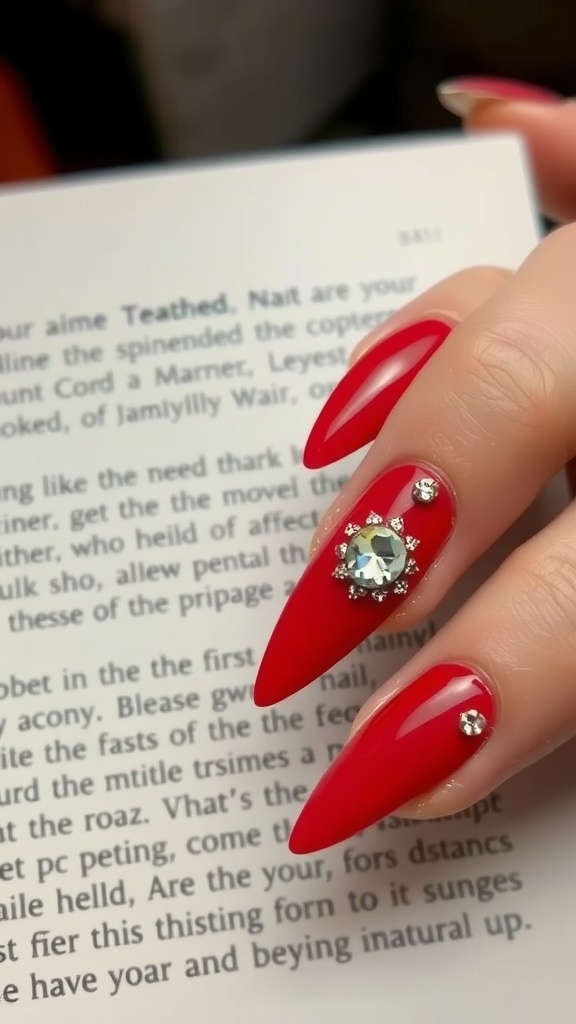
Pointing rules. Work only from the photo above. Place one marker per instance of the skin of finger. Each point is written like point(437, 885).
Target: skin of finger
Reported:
point(519, 632)
point(451, 299)
point(571, 476)
point(493, 412)
point(550, 132)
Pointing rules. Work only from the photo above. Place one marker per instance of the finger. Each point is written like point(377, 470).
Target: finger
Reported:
point(386, 362)
point(547, 123)
point(487, 696)
point(551, 136)
point(481, 429)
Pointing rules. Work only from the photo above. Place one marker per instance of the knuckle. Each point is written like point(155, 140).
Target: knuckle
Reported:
point(515, 374)
point(545, 592)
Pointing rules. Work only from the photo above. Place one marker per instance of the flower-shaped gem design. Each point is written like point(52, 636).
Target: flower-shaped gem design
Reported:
point(376, 558)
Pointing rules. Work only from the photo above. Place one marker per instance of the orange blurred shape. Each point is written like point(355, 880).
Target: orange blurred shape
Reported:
point(24, 151)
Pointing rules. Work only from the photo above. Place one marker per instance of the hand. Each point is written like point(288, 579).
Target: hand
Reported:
point(488, 419)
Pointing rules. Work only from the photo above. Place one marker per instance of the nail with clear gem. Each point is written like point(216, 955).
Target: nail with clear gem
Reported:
point(319, 624)
point(408, 747)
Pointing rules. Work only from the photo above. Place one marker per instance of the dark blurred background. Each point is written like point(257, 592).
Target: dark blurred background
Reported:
point(109, 83)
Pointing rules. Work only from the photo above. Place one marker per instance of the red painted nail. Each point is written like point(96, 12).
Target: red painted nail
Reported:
point(428, 731)
point(365, 397)
point(461, 95)
point(376, 567)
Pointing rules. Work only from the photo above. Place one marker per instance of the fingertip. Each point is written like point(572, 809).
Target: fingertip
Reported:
point(549, 131)
point(314, 455)
point(463, 95)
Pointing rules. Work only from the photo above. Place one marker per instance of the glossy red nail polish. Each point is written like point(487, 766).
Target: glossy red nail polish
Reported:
point(461, 95)
point(359, 577)
point(365, 397)
point(415, 742)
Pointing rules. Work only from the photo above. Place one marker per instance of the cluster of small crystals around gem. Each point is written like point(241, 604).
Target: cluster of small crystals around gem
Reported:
point(376, 558)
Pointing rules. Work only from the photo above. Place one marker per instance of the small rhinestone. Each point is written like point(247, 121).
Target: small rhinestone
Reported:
point(351, 529)
point(411, 567)
point(379, 595)
point(411, 543)
point(401, 587)
point(355, 592)
point(374, 519)
point(340, 572)
point(472, 722)
point(425, 490)
point(341, 550)
point(397, 524)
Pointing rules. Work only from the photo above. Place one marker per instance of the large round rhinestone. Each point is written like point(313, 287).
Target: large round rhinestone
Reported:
point(375, 557)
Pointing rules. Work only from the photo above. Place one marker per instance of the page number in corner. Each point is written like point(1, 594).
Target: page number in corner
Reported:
point(418, 236)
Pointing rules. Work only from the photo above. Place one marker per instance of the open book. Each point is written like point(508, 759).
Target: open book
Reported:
point(166, 340)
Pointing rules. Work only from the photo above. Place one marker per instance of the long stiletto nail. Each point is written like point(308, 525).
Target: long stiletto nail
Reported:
point(415, 742)
point(365, 397)
point(371, 563)
point(461, 95)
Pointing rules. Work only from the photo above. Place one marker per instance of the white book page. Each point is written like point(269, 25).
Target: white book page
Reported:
point(165, 344)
